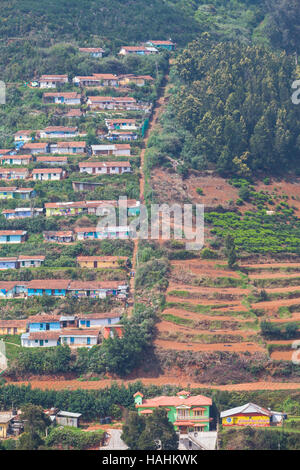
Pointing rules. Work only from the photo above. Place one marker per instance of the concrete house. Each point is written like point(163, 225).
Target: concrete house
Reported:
point(12, 327)
point(86, 81)
point(95, 52)
point(121, 124)
point(7, 174)
point(8, 289)
point(251, 415)
point(12, 192)
point(16, 159)
point(6, 419)
point(68, 148)
point(112, 102)
point(93, 320)
point(36, 148)
point(141, 50)
point(59, 132)
point(138, 80)
point(96, 289)
point(12, 236)
point(43, 323)
point(107, 79)
point(68, 98)
point(112, 149)
point(127, 136)
point(76, 338)
point(49, 174)
point(52, 287)
point(102, 262)
point(58, 237)
point(166, 45)
point(22, 261)
point(51, 81)
point(23, 136)
point(101, 233)
point(22, 212)
point(187, 413)
point(40, 339)
point(31, 261)
point(51, 160)
point(105, 168)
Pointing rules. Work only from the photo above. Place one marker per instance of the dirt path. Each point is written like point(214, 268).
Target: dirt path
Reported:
point(198, 347)
point(159, 381)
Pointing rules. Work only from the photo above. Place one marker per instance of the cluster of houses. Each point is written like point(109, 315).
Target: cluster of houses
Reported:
point(116, 232)
point(94, 80)
point(82, 330)
point(150, 47)
point(191, 416)
point(63, 288)
point(56, 174)
point(99, 208)
point(12, 424)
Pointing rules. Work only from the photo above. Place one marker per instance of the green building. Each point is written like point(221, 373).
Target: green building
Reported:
point(187, 413)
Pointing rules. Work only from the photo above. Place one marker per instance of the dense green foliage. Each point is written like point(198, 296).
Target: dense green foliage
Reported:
point(150, 432)
point(235, 110)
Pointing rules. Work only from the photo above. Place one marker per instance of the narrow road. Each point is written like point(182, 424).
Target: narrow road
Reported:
point(158, 109)
point(115, 442)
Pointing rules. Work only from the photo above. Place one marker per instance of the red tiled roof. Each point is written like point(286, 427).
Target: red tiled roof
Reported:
point(52, 159)
point(12, 323)
point(29, 257)
point(5, 151)
point(60, 128)
point(53, 76)
point(105, 76)
point(176, 401)
point(91, 49)
point(47, 170)
point(96, 316)
point(71, 144)
point(94, 285)
point(70, 94)
point(42, 318)
point(48, 284)
point(44, 335)
point(12, 232)
point(8, 285)
point(101, 258)
point(103, 164)
point(112, 98)
point(134, 48)
point(36, 145)
point(18, 157)
point(78, 332)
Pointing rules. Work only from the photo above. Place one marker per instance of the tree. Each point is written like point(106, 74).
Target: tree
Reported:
point(35, 424)
point(132, 429)
point(159, 432)
point(152, 432)
point(230, 251)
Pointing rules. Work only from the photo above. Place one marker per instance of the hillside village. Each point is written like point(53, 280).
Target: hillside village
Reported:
point(109, 342)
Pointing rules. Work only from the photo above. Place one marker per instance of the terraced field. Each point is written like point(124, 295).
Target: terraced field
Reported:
point(211, 308)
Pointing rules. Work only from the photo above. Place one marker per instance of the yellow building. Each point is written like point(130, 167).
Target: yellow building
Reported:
point(12, 327)
point(251, 415)
point(102, 262)
point(5, 421)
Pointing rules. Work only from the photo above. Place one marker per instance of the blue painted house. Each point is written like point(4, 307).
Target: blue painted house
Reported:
point(52, 287)
point(8, 263)
point(166, 45)
point(43, 323)
point(12, 236)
